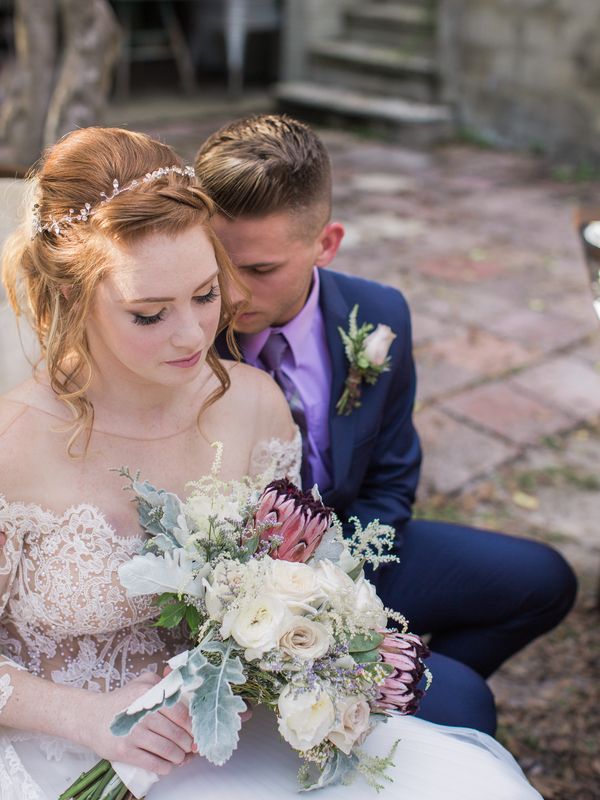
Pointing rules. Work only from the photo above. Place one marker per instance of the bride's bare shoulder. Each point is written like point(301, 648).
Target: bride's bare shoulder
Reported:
point(255, 394)
point(25, 413)
point(255, 389)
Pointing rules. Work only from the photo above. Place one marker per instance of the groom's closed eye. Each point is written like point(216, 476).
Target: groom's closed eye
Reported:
point(258, 269)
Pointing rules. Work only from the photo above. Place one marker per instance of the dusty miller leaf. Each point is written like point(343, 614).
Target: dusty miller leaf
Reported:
point(215, 709)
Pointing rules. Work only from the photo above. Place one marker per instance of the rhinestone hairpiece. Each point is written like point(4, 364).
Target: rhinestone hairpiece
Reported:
point(56, 225)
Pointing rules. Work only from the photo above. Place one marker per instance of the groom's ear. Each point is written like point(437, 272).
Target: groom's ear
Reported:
point(328, 243)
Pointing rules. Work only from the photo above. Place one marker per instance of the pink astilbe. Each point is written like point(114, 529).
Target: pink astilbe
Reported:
point(293, 519)
point(399, 693)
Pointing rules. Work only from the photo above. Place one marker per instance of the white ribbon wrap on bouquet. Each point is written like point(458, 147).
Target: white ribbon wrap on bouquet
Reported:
point(137, 780)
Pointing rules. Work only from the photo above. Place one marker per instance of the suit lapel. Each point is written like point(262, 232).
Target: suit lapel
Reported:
point(335, 312)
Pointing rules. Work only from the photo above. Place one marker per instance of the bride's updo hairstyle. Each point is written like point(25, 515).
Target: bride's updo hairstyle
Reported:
point(53, 263)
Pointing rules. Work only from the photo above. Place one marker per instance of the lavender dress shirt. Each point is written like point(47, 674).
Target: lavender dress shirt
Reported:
point(308, 365)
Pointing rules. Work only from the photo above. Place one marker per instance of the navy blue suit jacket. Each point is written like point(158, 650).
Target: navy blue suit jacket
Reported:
point(375, 450)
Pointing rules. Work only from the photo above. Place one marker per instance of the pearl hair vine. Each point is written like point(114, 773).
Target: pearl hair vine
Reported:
point(88, 210)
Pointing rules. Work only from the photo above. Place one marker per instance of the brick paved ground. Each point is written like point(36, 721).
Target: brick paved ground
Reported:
point(508, 359)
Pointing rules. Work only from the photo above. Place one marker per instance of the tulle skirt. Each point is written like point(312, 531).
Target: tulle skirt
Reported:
point(432, 762)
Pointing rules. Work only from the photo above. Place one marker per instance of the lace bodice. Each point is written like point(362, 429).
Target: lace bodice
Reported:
point(64, 614)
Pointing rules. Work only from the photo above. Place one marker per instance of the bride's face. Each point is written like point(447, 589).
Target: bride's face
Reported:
point(155, 316)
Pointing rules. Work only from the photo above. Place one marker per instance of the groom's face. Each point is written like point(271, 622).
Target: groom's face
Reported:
point(274, 256)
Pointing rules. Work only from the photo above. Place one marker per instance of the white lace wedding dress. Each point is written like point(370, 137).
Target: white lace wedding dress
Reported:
point(65, 618)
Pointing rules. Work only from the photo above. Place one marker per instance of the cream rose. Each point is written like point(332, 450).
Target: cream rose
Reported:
point(352, 722)
point(368, 606)
point(257, 625)
point(378, 343)
point(305, 718)
point(333, 580)
point(296, 584)
point(304, 638)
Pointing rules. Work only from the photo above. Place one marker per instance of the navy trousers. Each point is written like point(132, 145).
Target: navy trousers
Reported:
point(481, 596)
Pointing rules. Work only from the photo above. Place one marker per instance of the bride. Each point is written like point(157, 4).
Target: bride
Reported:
point(126, 288)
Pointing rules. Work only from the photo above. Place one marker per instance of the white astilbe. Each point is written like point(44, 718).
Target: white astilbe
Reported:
point(214, 503)
point(373, 544)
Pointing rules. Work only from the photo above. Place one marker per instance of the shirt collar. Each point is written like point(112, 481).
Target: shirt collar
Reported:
point(295, 331)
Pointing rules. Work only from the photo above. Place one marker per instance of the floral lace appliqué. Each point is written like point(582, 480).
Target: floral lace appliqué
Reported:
point(273, 458)
point(6, 689)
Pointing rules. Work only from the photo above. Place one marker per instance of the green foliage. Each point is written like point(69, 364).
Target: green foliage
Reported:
point(338, 769)
point(215, 709)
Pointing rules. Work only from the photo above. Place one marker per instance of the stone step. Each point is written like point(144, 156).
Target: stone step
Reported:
point(370, 68)
point(410, 28)
point(413, 124)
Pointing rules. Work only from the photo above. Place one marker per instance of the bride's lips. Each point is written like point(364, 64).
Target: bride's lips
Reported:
point(186, 362)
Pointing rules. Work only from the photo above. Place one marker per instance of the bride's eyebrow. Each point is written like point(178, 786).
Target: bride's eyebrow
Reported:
point(168, 299)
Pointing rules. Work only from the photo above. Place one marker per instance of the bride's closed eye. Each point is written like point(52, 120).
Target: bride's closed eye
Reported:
point(201, 299)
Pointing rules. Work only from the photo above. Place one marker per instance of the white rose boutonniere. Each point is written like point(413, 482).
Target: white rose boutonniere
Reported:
point(367, 352)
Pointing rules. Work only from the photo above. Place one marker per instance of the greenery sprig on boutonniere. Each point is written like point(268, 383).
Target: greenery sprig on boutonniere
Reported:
point(367, 350)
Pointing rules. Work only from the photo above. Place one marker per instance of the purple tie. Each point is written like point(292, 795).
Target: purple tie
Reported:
point(272, 356)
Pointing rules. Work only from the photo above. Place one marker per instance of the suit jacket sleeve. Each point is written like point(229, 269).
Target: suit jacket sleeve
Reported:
point(388, 488)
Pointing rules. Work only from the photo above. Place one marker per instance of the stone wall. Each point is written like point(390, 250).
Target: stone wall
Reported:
point(16, 343)
point(525, 73)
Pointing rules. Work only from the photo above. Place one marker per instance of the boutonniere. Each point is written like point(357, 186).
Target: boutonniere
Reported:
point(367, 352)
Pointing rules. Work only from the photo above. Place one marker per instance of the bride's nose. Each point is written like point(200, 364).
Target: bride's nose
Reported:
point(189, 333)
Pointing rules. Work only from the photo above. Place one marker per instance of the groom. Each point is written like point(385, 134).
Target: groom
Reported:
point(480, 595)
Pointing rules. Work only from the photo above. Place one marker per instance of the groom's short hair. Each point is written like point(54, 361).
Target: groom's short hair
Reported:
point(264, 164)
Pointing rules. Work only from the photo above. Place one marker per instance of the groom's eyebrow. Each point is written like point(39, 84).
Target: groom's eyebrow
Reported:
point(168, 299)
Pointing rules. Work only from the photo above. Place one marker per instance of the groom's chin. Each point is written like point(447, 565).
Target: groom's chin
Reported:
point(251, 322)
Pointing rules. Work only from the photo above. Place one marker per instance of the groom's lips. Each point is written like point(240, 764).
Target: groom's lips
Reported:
point(186, 362)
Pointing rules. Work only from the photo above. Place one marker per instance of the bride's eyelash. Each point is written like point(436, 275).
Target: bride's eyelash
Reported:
point(209, 297)
point(140, 319)
point(201, 299)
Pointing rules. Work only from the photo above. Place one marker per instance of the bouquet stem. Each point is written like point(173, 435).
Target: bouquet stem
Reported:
point(99, 783)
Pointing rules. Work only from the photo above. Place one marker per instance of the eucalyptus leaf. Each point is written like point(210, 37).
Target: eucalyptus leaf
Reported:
point(338, 769)
point(215, 710)
point(366, 656)
point(365, 641)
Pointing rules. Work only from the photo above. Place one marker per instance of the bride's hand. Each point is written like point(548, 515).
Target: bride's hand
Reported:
point(159, 742)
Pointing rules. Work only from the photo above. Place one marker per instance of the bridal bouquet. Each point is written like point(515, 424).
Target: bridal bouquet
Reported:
point(279, 613)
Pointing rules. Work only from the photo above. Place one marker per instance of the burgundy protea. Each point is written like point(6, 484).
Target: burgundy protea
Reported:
point(399, 693)
point(294, 517)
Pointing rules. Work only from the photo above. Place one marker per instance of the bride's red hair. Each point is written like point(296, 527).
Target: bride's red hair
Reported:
point(51, 277)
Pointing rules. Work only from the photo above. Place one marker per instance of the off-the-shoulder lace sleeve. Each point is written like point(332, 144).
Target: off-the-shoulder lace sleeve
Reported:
point(273, 458)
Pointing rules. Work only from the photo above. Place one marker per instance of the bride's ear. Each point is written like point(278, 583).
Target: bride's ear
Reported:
point(328, 243)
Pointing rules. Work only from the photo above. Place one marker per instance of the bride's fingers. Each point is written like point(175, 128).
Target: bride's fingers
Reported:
point(247, 714)
point(165, 727)
point(157, 745)
point(180, 715)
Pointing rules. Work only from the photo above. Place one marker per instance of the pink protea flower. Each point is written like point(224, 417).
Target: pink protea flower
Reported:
point(399, 693)
point(294, 517)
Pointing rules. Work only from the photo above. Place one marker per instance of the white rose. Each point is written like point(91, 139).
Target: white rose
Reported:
point(305, 639)
point(368, 606)
point(296, 584)
point(352, 722)
point(305, 718)
point(257, 625)
point(378, 343)
point(347, 561)
point(333, 580)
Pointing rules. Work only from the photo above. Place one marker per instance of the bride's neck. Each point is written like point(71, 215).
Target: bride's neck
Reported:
point(144, 410)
